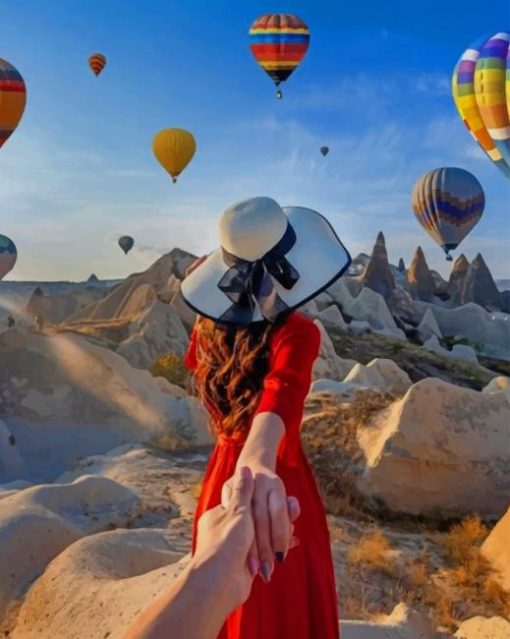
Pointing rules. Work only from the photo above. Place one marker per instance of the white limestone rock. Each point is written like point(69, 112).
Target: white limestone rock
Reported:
point(439, 435)
point(38, 523)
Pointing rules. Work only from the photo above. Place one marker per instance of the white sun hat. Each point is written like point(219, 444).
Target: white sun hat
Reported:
point(271, 260)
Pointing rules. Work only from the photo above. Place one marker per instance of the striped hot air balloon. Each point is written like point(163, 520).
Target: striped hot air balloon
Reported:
point(8, 255)
point(13, 97)
point(279, 42)
point(97, 62)
point(481, 91)
point(448, 202)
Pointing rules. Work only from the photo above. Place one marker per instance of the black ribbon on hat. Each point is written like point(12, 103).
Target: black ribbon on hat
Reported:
point(249, 283)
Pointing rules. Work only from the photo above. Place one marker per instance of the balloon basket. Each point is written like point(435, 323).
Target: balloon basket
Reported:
point(279, 94)
point(449, 258)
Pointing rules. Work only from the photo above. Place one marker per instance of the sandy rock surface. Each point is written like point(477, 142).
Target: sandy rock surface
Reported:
point(38, 523)
point(496, 548)
point(484, 628)
point(440, 435)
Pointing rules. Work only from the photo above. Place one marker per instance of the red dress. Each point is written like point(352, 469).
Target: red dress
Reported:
point(300, 602)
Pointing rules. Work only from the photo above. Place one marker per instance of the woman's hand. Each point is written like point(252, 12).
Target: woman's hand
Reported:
point(273, 515)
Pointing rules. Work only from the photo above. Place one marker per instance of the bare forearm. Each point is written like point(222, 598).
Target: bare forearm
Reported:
point(261, 447)
point(192, 607)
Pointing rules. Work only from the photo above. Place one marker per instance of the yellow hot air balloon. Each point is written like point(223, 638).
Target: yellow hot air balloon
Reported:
point(174, 149)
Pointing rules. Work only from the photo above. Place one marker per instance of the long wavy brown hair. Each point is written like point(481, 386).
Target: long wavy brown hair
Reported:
point(232, 363)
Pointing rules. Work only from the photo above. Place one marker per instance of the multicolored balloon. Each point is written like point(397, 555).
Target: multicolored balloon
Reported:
point(126, 243)
point(482, 99)
point(13, 96)
point(324, 150)
point(8, 255)
point(97, 62)
point(448, 202)
point(174, 149)
point(279, 41)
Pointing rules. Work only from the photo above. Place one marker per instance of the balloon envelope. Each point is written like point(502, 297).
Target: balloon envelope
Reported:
point(126, 243)
point(448, 202)
point(324, 150)
point(174, 149)
point(13, 97)
point(8, 255)
point(97, 62)
point(279, 41)
point(481, 91)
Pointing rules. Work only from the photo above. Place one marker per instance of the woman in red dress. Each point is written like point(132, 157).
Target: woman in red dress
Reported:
point(252, 355)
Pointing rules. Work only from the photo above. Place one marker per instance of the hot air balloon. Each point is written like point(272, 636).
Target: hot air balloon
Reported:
point(8, 255)
point(482, 100)
point(324, 150)
point(279, 42)
point(13, 96)
point(174, 149)
point(97, 62)
point(126, 243)
point(448, 202)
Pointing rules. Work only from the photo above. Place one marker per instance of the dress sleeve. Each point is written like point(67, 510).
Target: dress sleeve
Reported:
point(287, 383)
point(190, 359)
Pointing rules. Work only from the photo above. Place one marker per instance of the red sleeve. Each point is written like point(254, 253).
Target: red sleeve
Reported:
point(190, 359)
point(287, 383)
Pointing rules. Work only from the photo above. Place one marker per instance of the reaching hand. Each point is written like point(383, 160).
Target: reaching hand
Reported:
point(273, 515)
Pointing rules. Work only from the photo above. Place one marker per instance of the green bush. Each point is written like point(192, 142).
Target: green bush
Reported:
point(171, 367)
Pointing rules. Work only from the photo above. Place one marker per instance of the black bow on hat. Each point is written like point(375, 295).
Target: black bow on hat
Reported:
point(249, 283)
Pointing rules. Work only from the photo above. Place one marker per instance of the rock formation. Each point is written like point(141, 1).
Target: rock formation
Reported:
point(459, 351)
point(428, 326)
point(157, 275)
point(496, 548)
point(329, 365)
point(377, 275)
point(420, 281)
point(457, 278)
point(38, 523)
point(86, 399)
point(491, 331)
point(439, 435)
point(484, 628)
point(479, 286)
point(380, 374)
point(401, 266)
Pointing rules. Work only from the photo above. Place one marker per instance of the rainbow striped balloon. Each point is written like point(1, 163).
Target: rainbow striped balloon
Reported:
point(279, 41)
point(481, 91)
point(97, 62)
point(13, 96)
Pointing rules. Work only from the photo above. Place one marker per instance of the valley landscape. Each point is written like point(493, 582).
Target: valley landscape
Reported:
point(102, 448)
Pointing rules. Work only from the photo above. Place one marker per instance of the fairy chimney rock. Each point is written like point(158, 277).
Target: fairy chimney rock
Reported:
point(479, 286)
point(401, 266)
point(378, 275)
point(419, 278)
point(457, 278)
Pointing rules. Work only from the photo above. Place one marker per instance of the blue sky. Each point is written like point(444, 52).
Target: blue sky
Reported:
point(374, 87)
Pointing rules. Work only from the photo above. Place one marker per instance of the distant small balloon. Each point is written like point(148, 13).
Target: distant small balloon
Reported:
point(13, 96)
point(8, 255)
point(324, 150)
point(97, 62)
point(126, 243)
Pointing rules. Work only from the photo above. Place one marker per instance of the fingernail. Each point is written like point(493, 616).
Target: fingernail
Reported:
point(253, 565)
point(266, 571)
point(279, 557)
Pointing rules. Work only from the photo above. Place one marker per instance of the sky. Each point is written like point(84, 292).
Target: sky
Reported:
point(374, 87)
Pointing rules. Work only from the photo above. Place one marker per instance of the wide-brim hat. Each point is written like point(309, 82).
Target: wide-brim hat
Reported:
point(271, 260)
